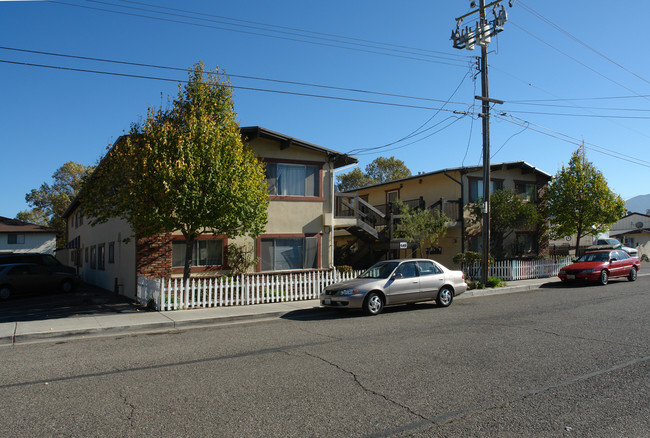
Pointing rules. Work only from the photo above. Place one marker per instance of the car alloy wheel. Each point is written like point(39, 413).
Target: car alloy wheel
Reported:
point(67, 286)
point(373, 304)
point(5, 292)
point(632, 276)
point(445, 297)
point(604, 277)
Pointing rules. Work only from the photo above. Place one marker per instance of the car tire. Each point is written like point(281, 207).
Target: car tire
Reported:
point(604, 277)
point(5, 292)
point(632, 276)
point(67, 286)
point(373, 304)
point(445, 297)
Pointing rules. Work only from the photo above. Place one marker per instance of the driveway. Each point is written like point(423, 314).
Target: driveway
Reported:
point(85, 300)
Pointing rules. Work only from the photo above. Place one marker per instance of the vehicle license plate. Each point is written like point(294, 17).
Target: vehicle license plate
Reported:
point(327, 301)
point(570, 277)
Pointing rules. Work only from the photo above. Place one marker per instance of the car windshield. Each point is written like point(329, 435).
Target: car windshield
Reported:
point(594, 257)
point(380, 270)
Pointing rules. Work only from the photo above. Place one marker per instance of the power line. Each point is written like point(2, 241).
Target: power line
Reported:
point(305, 31)
point(568, 139)
point(419, 57)
point(576, 60)
point(414, 132)
point(579, 41)
point(602, 116)
point(579, 107)
point(456, 119)
point(137, 64)
point(292, 93)
point(580, 98)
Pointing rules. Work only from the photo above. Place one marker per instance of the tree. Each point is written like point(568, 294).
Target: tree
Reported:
point(184, 168)
point(379, 171)
point(421, 225)
point(508, 212)
point(580, 202)
point(49, 202)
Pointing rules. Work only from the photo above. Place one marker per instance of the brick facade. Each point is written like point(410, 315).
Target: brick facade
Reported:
point(154, 256)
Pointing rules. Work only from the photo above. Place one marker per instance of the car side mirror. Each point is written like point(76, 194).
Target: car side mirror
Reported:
point(397, 276)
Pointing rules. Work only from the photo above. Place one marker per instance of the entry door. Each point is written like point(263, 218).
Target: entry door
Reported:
point(405, 287)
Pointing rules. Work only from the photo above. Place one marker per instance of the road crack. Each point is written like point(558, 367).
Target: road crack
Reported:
point(130, 406)
point(366, 389)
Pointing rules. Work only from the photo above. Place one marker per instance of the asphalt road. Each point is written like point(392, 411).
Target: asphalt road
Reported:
point(551, 362)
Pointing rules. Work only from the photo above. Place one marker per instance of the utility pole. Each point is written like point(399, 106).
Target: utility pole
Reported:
point(467, 39)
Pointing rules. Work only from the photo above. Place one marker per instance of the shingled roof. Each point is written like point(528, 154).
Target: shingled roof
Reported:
point(8, 225)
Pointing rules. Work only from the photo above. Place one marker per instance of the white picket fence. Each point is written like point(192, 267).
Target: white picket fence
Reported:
point(510, 270)
point(173, 294)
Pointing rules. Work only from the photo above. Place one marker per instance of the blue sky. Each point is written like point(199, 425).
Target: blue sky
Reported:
point(567, 71)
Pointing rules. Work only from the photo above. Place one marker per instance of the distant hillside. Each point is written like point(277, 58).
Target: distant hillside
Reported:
point(639, 204)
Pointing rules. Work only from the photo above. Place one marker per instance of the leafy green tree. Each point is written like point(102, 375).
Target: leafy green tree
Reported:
point(580, 202)
point(379, 171)
point(184, 168)
point(421, 225)
point(509, 212)
point(49, 202)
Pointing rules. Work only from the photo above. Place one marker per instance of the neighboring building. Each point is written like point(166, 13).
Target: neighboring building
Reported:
point(19, 236)
point(298, 234)
point(633, 230)
point(365, 224)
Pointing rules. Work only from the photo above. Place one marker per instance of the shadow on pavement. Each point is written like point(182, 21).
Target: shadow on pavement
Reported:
point(86, 300)
point(322, 314)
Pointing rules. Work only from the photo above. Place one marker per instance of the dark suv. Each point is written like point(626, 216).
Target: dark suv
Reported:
point(39, 259)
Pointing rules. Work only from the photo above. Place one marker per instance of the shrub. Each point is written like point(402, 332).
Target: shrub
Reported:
point(495, 282)
point(469, 257)
point(344, 269)
point(239, 258)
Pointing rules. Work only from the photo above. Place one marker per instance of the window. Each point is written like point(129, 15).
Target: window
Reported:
point(527, 190)
point(101, 256)
point(15, 239)
point(428, 268)
point(476, 188)
point(86, 255)
point(111, 252)
point(392, 196)
point(93, 257)
point(620, 255)
point(205, 252)
point(293, 179)
point(407, 270)
point(526, 243)
point(289, 253)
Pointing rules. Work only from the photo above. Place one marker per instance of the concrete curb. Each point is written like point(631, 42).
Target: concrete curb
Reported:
point(23, 332)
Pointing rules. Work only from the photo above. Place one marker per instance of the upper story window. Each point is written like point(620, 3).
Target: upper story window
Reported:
point(527, 190)
point(476, 188)
point(285, 179)
point(392, 196)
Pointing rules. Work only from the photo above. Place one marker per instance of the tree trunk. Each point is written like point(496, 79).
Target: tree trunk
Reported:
point(189, 245)
point(578, 236)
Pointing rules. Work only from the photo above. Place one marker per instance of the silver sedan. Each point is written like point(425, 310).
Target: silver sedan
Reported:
point(396, 282)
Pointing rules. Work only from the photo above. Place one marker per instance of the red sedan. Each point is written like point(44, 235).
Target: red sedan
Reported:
point(600, 266)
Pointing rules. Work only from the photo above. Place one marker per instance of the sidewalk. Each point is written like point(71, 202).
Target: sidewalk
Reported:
point(143, 321)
